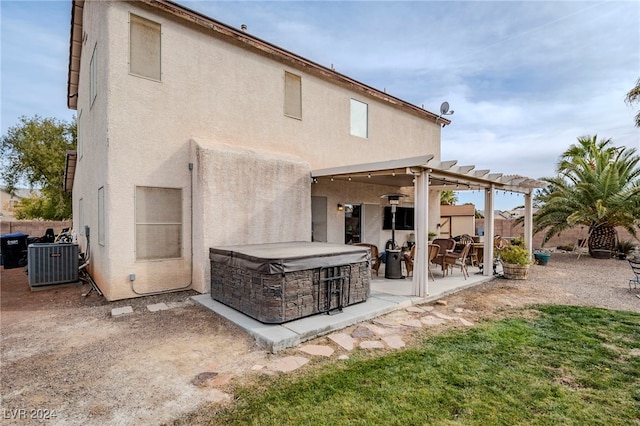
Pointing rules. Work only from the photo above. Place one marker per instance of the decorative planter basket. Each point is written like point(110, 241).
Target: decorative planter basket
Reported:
point(601, 254)
point(515, 272)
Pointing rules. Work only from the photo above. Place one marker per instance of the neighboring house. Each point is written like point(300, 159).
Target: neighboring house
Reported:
point(457, 220)
point(193, 134)
point(515, 213)
point(8, 202)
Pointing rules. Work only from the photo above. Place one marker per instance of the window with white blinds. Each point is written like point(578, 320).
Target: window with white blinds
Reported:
point(158, 223)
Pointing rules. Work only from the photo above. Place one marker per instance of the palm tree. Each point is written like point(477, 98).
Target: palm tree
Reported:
point(632, 97)
point(598, 185)
point(448, 198)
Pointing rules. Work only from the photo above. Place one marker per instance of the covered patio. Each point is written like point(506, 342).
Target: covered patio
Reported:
point(425, 174)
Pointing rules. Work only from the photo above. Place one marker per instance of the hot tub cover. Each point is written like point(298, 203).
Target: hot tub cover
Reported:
point(280, 258)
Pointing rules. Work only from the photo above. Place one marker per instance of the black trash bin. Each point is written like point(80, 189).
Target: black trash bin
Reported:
point(393, 265)
point(14, 250)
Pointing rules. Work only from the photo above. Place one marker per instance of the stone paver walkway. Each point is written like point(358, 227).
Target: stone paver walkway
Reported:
point(387, 332)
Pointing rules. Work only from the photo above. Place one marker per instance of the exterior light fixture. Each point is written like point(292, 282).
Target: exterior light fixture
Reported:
point(393, 173)
point(340, 207)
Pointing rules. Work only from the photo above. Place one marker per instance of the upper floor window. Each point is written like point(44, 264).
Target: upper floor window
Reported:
point(359, 119)
point(292, 95)
point(93, 77)
point(144, 47)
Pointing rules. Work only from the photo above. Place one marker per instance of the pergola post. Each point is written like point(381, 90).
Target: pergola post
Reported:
point(421, 212)
point(487, 268)
point(528, 221)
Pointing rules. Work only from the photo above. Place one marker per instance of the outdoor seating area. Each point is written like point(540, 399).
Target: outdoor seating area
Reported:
point(448, 253)
point(445, 246)
point(454, 259)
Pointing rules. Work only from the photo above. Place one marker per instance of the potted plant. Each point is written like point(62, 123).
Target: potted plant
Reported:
point(431, 235)
point(542, 256)
point(624, 248)
point(515, 262)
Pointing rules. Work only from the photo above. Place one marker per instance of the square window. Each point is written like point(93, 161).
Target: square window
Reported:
point(359, 119)
point(144, 47)
point(158, 223)
point(292, 95)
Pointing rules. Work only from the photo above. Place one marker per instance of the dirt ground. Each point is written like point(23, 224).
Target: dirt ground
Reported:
point(65, 360)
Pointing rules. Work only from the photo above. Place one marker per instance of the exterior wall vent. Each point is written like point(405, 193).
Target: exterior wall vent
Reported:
point(52, 263)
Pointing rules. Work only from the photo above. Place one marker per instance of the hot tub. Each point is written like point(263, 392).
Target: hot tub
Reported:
point(280, 282)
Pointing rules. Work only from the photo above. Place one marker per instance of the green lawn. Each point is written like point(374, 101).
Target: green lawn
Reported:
point(563, 365)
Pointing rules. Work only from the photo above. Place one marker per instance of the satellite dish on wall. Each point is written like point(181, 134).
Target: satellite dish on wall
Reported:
point(444, 110)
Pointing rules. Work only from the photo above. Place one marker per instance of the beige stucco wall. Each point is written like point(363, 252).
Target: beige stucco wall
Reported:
point(93, 140)
point(139, 131)
point(212, 88)
point(246, 196)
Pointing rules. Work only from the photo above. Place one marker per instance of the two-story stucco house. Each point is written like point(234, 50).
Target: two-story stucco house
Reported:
point(193, 134)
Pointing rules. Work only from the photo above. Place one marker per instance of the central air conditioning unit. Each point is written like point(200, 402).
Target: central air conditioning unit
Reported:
point(52, 263)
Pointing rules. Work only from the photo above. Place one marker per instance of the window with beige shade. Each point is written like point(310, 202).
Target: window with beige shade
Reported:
point(144, 47)
point(158, 223)
point(292, 95)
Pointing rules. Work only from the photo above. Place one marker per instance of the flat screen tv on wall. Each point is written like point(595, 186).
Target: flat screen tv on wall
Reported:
point(404, 218)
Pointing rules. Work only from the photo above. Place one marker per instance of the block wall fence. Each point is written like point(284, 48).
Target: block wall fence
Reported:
point(508, 228)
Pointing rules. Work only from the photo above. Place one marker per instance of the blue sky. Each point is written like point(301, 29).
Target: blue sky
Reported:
point(525, 78)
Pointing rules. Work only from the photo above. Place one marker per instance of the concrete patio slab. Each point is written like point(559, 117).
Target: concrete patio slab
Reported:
point(386, 296)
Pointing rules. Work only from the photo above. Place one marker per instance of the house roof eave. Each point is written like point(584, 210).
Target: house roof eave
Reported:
point(70, 170)
point(75, 52)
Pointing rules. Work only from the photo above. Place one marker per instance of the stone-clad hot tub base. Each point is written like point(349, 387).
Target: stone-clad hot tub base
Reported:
point(276, 283)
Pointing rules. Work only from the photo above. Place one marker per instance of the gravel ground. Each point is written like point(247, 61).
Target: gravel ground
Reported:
point(64, 354)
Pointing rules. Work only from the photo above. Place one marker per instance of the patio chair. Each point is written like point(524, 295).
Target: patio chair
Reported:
point(446, 245)
point(434, 250)
point(635, 267)
point(458, 259)
point(376, 257)
point(409, 258)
